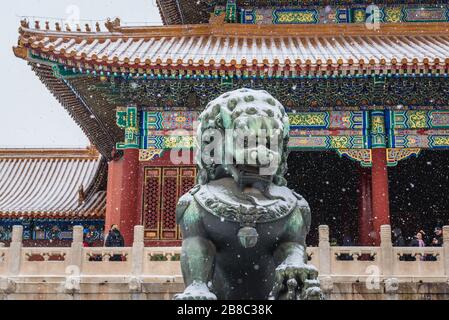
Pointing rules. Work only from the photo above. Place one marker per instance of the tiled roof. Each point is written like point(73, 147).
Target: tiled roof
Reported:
point(212, 51)
point(50, 183)
point(201, 46)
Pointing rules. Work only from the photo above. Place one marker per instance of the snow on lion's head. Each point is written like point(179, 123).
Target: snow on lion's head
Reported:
point(243, 134)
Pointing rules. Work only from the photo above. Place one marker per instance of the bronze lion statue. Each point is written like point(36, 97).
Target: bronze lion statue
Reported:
point(243, 230)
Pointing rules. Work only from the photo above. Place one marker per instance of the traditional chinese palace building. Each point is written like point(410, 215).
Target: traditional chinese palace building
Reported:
point(362, 82)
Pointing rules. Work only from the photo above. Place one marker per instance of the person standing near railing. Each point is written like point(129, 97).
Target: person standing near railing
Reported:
point(398, 239)
point(438, 239)
point(89, 241)
point(89, 238)
point(115, 239)
point(418, 240)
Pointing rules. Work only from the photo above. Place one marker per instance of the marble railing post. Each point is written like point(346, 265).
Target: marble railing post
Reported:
point(446, 249)
point(324, 250)
point(76, 252)
point(15, 251)
point(138, 251)
point(386, 249)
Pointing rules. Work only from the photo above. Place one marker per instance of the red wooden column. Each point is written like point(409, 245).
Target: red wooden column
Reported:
point(365, 208)
point(121, 205)
point(130, 215)
point(380, 197)
point(113, 193)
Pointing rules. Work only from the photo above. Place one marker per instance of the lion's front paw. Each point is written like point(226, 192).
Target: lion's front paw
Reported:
point(196, 291)
point(296, 282)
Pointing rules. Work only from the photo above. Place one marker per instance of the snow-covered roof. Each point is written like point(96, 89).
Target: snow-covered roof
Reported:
point(219, 46)
point(213, 51)
point(50, 183)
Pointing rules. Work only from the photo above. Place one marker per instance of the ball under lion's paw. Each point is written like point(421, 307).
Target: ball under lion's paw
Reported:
point(196, 291)
point(296, 282)
point(311, 291)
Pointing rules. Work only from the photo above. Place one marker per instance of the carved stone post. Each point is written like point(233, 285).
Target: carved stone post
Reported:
point(138, 251)
point(15, 251)
point(324, 250)
point(135, 282)
point(446, 249)
point(326, 282)
point(76, 252)
point(386, 249)
point(72, 284)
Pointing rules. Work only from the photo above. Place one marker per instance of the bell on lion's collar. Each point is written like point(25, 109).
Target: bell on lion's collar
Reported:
point(248, 237)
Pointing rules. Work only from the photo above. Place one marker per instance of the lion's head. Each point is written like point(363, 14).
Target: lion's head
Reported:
point(243, 134)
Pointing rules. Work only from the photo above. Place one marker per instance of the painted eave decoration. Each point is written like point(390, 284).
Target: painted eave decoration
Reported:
point(175, 12)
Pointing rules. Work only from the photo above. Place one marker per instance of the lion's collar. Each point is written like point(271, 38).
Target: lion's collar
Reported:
point(224, 199)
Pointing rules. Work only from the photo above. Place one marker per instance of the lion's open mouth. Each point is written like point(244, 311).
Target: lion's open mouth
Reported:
point(248, 168)
point(251, 167)
point(254, 172)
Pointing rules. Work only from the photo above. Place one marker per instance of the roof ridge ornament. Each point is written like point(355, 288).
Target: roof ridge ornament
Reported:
point(81, 195)
point(20, 52)
point(112, 25)
point(24, 23)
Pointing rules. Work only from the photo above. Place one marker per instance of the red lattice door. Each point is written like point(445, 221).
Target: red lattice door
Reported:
point(162, 188)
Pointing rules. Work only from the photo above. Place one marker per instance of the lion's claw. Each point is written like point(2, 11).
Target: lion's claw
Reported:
point(196, 291)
